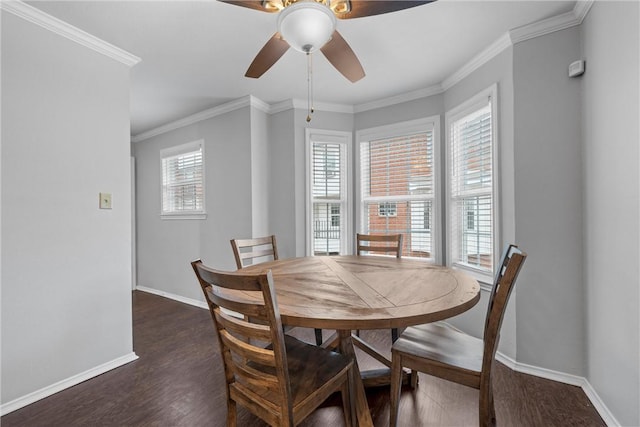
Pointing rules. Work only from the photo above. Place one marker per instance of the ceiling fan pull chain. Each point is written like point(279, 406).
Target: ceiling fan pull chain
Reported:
point(309, 87)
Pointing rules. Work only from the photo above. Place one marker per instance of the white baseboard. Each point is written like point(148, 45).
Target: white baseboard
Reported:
point(597, 403)
point(66, 383)
point(565, 378)
point(174, 297)
point(540, 372)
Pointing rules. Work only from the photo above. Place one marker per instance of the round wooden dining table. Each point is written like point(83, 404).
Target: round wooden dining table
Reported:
point(346, 293)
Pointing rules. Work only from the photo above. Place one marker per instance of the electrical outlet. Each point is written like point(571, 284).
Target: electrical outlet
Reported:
point(105, 200)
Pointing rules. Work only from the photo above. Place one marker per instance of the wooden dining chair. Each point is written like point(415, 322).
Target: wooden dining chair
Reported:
point(283, 380)
point(380, 243)
point(261, 249)
point(250, 251)
point(442, 351)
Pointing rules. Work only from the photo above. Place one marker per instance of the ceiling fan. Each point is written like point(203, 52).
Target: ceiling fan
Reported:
point(310, 25)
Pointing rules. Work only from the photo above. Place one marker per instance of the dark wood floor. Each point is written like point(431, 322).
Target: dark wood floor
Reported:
point(177, 381)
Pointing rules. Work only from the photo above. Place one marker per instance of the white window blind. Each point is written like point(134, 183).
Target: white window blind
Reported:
point(183, 179)
point(471, 202)
point(328, 198)
point(397, 185)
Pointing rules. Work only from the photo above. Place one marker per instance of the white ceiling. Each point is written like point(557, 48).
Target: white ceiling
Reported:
point(195, 53)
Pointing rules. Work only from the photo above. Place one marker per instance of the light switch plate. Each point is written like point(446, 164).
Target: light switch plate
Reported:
point(105, 200)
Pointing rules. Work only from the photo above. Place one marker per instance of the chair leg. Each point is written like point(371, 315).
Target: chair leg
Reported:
point(349, 411)
point(394, 335)
point(413, 379)
point(396, 385)
point(492, 407)
point(232, 415)
point(486, 407)
point(318, 336)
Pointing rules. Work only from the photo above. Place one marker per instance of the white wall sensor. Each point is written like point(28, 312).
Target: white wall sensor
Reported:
point(576, 68)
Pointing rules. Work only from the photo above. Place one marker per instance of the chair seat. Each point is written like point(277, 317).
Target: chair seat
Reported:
point(310, 369)
point(442, 343)
point(443, 351)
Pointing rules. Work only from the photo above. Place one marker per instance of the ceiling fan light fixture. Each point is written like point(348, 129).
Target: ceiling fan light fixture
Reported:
point(341, 6)
point(273, 5)
point(306, 25)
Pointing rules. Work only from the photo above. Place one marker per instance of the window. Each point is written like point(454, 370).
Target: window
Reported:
point(471, 191)
point(398, 183)
point(183, 181)
point(328, 207)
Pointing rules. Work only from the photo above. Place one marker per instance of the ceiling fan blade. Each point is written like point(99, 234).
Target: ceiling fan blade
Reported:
point(268, 55)
point(341, 56)
point(251, 4)
point(360, 8)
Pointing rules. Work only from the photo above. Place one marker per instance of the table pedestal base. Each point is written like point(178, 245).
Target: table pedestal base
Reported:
point(382, 377)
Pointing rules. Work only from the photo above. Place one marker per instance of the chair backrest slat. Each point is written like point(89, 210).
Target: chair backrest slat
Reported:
point(255, 379)
point(380, 243)
point(241, 327)
point(252, 310)
point(247, 251)
point(250, 352)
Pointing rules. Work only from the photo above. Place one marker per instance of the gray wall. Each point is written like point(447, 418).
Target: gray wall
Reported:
point(166, 246)
point(66, 265)
point(548, 186)
point(410, 110)
point(260, 176)
point(282, 180)
point(611, 196)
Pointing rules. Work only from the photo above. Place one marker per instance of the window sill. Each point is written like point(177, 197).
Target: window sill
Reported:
point(200, 215)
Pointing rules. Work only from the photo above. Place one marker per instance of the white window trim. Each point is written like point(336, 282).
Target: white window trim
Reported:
point(475, 103)
point(338, 137)
point(174, 151)
point(431, 123)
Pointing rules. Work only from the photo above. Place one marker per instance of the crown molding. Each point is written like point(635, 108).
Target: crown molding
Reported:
point(546, 26)
point(520, 34)
point(281, 106)
point(399, 99)
point(55, 25)
point(582, 8)
point(236, 104)
point(301, 104)
point(259, 104)
point(502, 43)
